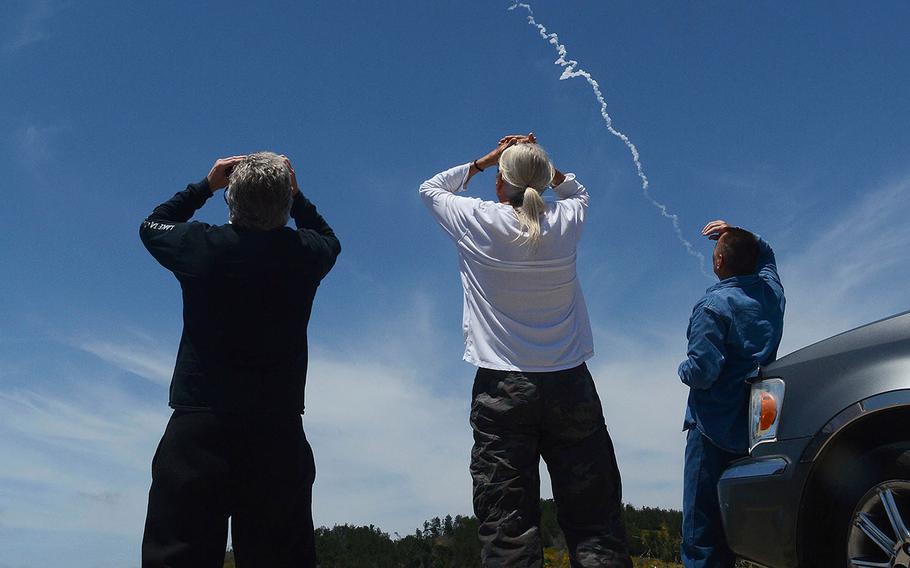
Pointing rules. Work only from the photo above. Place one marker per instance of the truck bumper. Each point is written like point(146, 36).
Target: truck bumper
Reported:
point(759, 503)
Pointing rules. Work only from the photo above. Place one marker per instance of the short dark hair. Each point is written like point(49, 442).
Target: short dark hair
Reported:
point(739, 248)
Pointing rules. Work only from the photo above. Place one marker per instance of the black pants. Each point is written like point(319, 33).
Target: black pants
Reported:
point(257, 470)
point(519, 417)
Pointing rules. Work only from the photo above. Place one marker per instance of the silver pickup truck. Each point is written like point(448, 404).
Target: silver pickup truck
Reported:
point(827, 481)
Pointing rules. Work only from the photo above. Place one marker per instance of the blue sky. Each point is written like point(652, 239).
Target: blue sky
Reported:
point(788, 120)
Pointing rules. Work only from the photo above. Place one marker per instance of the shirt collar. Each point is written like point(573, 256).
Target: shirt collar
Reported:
point(735, 282)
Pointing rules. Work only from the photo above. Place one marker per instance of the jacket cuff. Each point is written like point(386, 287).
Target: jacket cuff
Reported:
point(201, 189)
point(567, 188)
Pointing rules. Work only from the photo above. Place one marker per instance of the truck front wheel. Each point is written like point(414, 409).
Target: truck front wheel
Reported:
point(878, 534)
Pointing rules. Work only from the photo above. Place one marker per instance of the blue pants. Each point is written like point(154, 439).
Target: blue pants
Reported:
point(703, 541)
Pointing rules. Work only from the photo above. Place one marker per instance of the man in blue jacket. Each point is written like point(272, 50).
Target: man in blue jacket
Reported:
point(734, 329)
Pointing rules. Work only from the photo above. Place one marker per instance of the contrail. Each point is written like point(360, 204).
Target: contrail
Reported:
point(571, 70)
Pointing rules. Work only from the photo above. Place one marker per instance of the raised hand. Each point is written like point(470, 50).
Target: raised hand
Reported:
point(295, 189)
point(218, 176)
point(528, 138)
point(492, 158)
point(715, 229)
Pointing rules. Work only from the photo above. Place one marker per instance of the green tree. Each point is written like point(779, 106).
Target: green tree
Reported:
point(347, 546)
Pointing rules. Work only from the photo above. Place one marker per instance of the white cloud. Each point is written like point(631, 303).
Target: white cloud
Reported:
point(388, 450)
point(849, 271)
point(97, 421)
point(144, 359)
point(78, 459)
point(31, 27)
point(644, 403)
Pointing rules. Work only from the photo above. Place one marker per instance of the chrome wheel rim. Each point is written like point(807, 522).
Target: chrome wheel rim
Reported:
point(878, 536)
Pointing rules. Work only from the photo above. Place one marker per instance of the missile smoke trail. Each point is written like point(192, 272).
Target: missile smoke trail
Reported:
point(571, 70)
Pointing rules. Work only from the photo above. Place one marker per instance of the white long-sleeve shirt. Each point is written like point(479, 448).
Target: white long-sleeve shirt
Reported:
point(523, 308)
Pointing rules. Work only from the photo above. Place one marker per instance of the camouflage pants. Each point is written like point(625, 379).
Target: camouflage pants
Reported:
point(518, 418)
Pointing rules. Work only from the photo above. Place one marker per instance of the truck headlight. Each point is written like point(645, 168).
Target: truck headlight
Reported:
point(765, 403)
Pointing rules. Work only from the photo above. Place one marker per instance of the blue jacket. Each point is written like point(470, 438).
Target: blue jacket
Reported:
point(735, 328)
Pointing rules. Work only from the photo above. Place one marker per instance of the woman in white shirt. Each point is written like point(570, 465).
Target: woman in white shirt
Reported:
point(526, 329)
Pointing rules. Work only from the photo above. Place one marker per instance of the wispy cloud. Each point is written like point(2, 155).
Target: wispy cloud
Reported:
point(847, 270)
point(390, 449)
point(31, 27)
point(71, 422)
point(77, 459)
point(34, 144)
point(112, 498)
point(143, 359)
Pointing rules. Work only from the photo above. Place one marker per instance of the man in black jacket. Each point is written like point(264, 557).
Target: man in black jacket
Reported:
point(235, 446)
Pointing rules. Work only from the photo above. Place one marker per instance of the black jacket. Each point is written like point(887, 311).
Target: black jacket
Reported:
point(247, 297)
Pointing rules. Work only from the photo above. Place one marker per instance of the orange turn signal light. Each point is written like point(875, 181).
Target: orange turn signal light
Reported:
point(768, 411)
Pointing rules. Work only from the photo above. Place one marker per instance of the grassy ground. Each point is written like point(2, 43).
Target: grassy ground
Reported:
point(636, 563)
point(648, 563)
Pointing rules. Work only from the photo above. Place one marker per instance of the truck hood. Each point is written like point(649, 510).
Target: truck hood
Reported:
point(825, 378)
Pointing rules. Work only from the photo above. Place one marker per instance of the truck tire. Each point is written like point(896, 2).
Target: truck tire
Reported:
point(870, 522)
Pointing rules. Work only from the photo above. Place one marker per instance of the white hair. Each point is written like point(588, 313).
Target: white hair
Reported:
point(259, 194)
point(527, 171)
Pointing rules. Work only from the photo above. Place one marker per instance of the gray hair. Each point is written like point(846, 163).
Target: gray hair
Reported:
point(527, 171)
point(259, 194)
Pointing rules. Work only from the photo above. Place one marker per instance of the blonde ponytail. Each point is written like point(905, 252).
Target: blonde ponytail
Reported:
point(527, 166)
point(532, 206)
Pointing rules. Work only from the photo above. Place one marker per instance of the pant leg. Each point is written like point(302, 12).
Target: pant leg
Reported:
point(274, 471)
point(504, 468)
point(704, 544)
point(582, 464)
point(186, 525)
